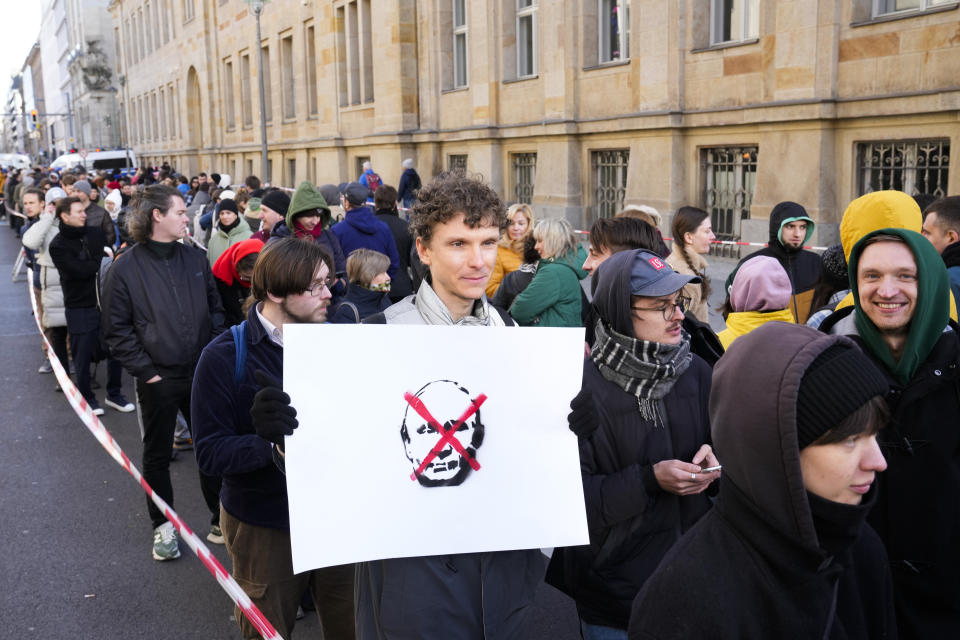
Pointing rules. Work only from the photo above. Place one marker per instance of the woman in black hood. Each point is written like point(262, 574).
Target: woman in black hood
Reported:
point(786, 551)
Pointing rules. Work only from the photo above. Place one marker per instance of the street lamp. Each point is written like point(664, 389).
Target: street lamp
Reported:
point(257, 7)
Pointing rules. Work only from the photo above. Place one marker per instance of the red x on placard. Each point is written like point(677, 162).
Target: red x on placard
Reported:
point(448, 435)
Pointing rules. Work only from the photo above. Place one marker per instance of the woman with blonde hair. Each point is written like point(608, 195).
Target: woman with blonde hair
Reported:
point(369, 287)
point(510, 249)
point(692, 235)
point(554, 297)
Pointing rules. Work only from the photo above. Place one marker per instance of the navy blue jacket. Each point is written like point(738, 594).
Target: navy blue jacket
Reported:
point(254, 490)
point(360, 229)
point(366, 301)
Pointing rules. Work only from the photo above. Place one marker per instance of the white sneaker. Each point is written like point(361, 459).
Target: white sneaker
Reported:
point(165, 545)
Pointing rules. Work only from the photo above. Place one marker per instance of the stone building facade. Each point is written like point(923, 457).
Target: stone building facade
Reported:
point(577, 106)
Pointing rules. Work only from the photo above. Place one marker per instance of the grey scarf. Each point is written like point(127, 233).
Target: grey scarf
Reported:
point(645, 369)
point(434, 311)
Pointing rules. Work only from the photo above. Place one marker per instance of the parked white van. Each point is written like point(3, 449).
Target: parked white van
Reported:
point(123, 159)
point(16, 160)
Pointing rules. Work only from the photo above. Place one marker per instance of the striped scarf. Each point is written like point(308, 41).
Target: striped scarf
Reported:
point(645, 369)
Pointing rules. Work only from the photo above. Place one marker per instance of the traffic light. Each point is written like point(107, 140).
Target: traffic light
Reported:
point(33, 118)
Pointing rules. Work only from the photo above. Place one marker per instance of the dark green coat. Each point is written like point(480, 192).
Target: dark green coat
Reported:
point(552, 299)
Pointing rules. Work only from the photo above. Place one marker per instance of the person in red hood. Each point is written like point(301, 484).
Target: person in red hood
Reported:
point(232, 272)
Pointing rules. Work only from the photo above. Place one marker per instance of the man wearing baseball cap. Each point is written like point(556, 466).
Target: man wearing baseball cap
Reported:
point(645, 453)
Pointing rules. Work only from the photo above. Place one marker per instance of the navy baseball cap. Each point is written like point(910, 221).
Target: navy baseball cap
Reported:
point(652, 277)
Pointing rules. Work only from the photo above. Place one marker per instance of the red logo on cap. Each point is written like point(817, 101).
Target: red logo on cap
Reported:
point(656, 263)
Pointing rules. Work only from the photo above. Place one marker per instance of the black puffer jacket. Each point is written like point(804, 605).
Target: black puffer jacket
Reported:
point(918, 510)
point(757, 565)
point(159, 313)
point(633, 522)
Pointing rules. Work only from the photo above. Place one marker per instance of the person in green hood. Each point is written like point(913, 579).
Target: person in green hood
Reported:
point(901, 319)
point(790, 229)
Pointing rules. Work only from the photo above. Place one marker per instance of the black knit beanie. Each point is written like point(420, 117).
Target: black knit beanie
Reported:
point(835, 267)
point(277, 200)
point(837, 383)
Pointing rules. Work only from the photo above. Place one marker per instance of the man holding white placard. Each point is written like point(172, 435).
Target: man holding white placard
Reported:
point(457, 224)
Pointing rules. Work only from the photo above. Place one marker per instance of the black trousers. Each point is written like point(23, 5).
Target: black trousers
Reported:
point(84, 327)
point(159, 404)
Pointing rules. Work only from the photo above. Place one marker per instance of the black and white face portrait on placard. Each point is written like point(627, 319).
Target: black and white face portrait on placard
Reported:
point(438, 441)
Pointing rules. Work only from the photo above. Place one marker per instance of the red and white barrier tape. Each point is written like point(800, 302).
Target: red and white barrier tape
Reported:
point(93, 424)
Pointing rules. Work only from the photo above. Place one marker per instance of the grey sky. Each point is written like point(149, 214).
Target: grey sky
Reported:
point(21, 19)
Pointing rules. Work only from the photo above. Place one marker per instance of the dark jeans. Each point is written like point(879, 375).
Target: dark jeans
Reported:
point(114, 378)
point(263, 567)
point(159, 403)
point(84, 327)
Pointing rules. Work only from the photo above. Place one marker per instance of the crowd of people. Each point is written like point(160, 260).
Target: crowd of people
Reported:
point(795, 476)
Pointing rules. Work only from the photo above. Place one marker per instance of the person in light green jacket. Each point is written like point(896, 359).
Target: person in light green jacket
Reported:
point(230, 230)
point(553, 298)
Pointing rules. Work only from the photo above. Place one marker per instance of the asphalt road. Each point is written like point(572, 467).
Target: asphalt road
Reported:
point(77, 536)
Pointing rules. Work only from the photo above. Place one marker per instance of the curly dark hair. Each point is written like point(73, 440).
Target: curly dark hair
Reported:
point(453, 192)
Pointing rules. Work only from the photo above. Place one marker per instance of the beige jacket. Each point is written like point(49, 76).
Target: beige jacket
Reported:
point(693, 291)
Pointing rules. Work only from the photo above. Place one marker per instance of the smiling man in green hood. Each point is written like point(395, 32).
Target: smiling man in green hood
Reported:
point(901, 319)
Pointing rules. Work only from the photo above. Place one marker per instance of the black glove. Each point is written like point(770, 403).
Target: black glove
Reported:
point(273, 417)
point(583, 414)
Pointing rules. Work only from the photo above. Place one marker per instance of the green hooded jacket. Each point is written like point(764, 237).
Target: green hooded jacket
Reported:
point(307, 198)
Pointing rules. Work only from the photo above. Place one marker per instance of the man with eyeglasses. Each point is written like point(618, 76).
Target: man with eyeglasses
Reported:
point(240, 415)
point(644, 430)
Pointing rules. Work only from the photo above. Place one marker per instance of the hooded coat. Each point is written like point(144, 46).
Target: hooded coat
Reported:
point(360, 229)
point(879, 210)
point(755, 566)
point(234, 291)
point(307, 197)
point(802, 266)
point(918, 510)
point(633, 522)
point(760, 293)
point(554, 296)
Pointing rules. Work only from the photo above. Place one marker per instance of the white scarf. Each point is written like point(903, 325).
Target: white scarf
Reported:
point(434, 311)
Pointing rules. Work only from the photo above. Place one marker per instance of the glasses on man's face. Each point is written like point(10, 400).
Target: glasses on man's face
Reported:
point(318, 286)
point(668, 309)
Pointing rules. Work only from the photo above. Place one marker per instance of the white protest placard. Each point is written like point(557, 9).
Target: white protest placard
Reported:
point(428, 440)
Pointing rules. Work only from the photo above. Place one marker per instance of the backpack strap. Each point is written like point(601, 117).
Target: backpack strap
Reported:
point(346, 303)
point(239, 332)
point(507, 319)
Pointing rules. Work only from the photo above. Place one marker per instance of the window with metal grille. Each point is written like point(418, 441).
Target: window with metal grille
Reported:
point(457, 162)
point(916, 167)
point(729, 179)
point(524, 176)
point(609, 181)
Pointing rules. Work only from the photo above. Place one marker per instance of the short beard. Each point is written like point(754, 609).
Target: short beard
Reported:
point(298, 319)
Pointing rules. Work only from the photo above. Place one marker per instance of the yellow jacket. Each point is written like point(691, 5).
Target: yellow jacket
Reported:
point(743, 322)
point(880, 210)
point(507, 260)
